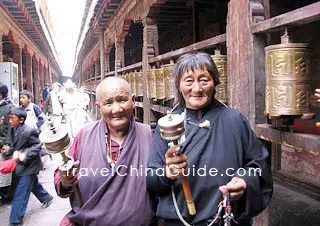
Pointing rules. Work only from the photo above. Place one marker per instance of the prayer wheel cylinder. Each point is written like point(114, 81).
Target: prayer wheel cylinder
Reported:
point(160, 85)
point(287, 79)
point(221, 89)
point(132, 82)
point(168, 79)
point(139, 83)
point(151, 84)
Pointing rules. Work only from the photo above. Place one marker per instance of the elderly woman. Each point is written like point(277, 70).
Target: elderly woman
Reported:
point(217, 159)
point(108, 152)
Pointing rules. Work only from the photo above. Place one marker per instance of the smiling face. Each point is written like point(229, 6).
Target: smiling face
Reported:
point(197, 88)
point(116, 105)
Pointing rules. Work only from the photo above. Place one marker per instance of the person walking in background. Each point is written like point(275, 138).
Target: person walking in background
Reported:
point(25, 151)
point(54, 102)
point(226, 144)
point(46, 90)
point(6, 190)
point(35, 117)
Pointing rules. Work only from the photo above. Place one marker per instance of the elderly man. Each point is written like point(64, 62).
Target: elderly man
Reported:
point(107, 151)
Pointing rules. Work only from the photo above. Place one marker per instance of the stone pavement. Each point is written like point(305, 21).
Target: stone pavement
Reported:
point(35, 215)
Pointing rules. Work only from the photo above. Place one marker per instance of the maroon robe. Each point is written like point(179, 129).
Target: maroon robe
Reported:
point(111, 197)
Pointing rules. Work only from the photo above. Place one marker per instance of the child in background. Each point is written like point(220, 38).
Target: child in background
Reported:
point(25, 151)
point(35, 117)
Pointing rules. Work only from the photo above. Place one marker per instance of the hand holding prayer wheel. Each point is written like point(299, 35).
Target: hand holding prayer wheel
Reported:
point(172, 128)
point(57, 140)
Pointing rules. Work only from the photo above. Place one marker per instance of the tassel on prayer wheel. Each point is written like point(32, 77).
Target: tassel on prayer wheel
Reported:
point(132, 82)
point(139, 83)
point(160, 85)
point(221, 89)
point(151, 84)
point(287, 78)
point(168, 79)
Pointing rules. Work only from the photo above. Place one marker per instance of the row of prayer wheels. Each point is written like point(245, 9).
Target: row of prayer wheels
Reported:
point(288, 79)
point(161, 81)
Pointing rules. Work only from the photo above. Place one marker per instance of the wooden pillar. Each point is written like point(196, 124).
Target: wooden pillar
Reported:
point(17, 58)
point(50, 73)
point(150, 49)
point(119, 54)
point(102, 53)
point(36, 80)
point(1, 49)
point(29, 82)
point(246, 77)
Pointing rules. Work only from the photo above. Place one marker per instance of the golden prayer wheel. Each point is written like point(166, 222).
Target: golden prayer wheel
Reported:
point(221, 89)
point(160, 85)
point(152, 84)
point(139, 83)
point(287, 78)
point(132, 82)
point(169, 80)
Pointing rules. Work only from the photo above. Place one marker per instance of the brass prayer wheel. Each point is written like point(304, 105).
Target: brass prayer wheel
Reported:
point(132, 82)
point(151, 84)
point(171, 126)
point(169, 80)
point(160, 85)
point(287, 78)
point(139, 83)
point(221, 89)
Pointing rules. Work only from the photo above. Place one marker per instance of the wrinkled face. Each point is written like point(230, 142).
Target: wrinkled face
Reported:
point(24, 100)
point(197, 88)
point(116, 106)
point(15, 121)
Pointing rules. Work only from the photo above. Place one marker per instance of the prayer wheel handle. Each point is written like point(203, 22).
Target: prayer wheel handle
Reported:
point(172, 128)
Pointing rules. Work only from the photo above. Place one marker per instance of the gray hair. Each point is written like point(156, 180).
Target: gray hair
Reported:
point(113, 80)
point(190, 62)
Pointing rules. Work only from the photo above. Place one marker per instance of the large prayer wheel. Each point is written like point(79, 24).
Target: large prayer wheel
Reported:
point(287, 79)
point(169, 80)
point(139, 83)
point(160, 85)
point(221, 89)
point(132, 82)
point(152, 84)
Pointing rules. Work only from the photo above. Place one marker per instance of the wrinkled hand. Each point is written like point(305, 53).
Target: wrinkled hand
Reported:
point(69, 179)
point(175, 163)
point(236, 187)
point(317, 94)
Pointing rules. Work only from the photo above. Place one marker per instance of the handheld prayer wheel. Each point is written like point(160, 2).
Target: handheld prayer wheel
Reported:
point(139, 83)
point(168, 79)
point(287, 78)
point(160, 86)
point(132, 82)
point(151, 84)
point(56, 141)
point(221, 89)
point(172, 128)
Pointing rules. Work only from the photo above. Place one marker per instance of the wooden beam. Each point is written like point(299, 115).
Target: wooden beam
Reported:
point(296, 17)
point(302, 141)
point(196, 46)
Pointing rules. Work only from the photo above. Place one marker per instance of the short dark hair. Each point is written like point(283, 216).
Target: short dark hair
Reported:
point(190, 62)
point(18, 111)
point(27, 93)
point(3, 90)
